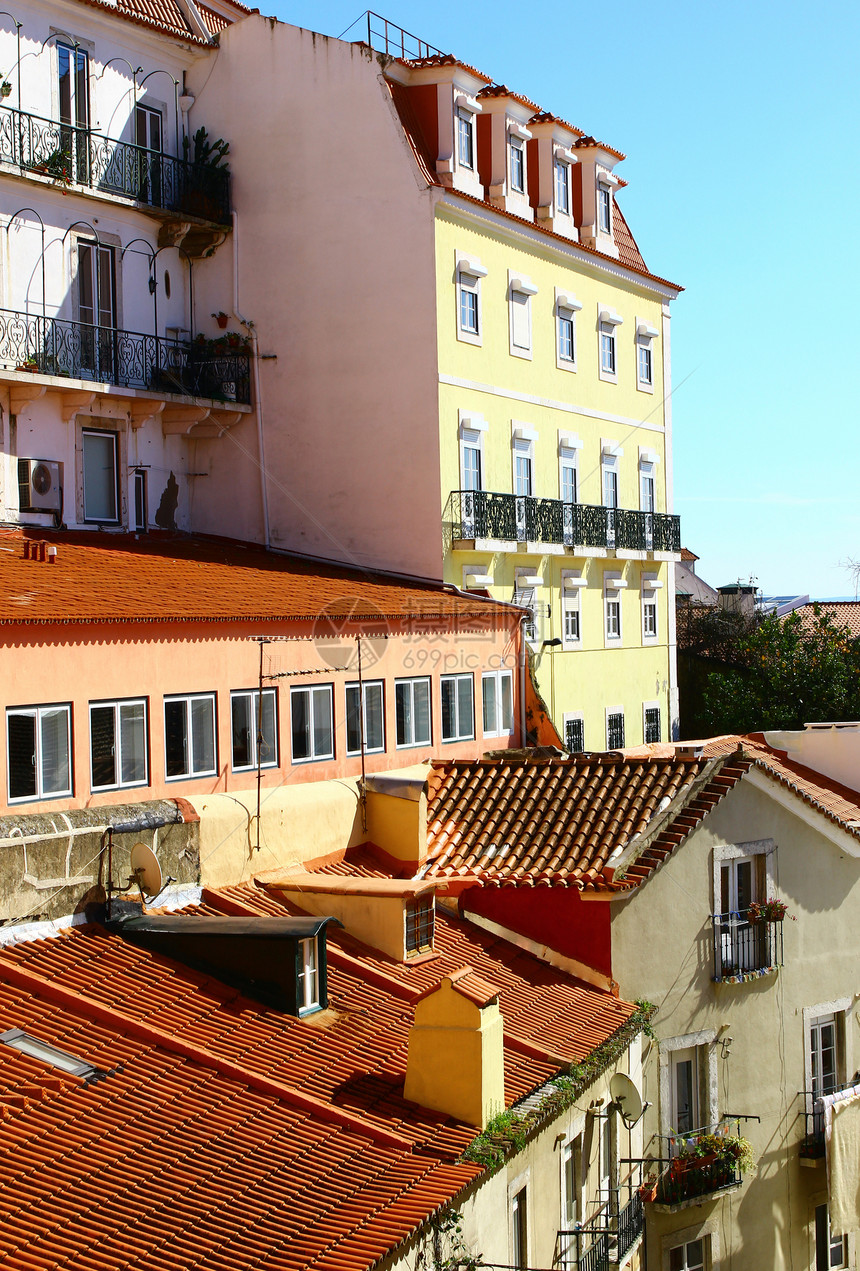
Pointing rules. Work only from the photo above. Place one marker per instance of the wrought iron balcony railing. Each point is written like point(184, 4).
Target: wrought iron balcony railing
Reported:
point(702, 1162)
point(129, 359)
point(523, 518)
point(742, 946)
point(72, 155)
point(631, 1223)
point(812, 1143)
point(606, 1240)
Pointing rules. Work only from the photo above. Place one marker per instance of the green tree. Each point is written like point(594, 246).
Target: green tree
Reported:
point(786, 672)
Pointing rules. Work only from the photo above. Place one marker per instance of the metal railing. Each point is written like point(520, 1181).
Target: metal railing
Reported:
point(130, 359)
point(524, 518)
point(741, 946)
point(631, 1223)
point(583, 1249)
point(602, 1243)
point(812, 1143)
point(392, 39)
point(693, 1170)
point(73, 155)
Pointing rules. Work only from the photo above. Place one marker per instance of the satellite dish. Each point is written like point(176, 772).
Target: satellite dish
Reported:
point(146, 870)
point(627, 1097)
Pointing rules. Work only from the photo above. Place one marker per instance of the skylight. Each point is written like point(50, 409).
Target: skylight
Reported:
point(47, 1053)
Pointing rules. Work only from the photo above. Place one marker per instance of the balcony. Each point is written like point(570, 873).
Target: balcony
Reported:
point(745, 948)
point(702, 1164)
point(599, 1247)
point(170, 188)
point(125, 359)
point(812, 1143)
point(515, 518)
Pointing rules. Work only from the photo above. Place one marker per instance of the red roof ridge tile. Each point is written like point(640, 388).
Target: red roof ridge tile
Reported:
point(81, 1003)
point(467, 982)
point(532, 1049)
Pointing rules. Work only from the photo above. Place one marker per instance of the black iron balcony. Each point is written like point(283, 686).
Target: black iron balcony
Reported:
point(71, 155)
point(605, 1241)
point(129, 359)
point(523, 518)
point(631, 1222)
point(812, 1143)
point(704, 1162)
point(744, 945)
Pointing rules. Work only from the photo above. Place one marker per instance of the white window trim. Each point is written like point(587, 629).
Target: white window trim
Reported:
point(521, 1181)
point(708, 1088)
point(466, 105)
point(613, 586)
point(572, 583)
point(116, 703)
point(609, 377)
point(496, 678)
point(461, 736)
point(561, 158)
point(604, 186)
point(649, 597)
point(366, 684)
point(646, 706)
point(570, 716)
point(254, 694)
point(91, 431)
point(188, 698)
point(613, 710)
point(517, 142)
point(520, 285)
point(310, 1002)
point(469, 267)
point(730, 851)
point(566, 307)
point(471, 431)
point(643, 342)
point(36, 712)
point(523, 444)
point(308, 688)
point(708, 1230)
point(840, 1006)
point(412, 681)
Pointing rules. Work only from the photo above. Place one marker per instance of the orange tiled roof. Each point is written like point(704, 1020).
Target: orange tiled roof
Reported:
point(224, 1133)
point(628, 252)
point(547, 117)
point(845, 613)
point(120, 578)
point(589, 143)
point(442, 59)
point(562, 822)
point(168, 16)
point(501, 90)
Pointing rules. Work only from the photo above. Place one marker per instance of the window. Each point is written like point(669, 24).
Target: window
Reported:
point(690, 1256)
point(470, 459)
point(830, 1251)
point(371, 719)
point(523, 453)
point(825, 1060)
point(604, 210)
point(571, 1167)
point(521, 322)
point(614, 730)
point(141, 519)
point(525, 595)
point(652, 724)
point(73, 68)
point(312, 724)
point(189, 736)
point(566, 350)
point(46, 1053)
point(646, 487)
point(498, 695)
point(254, 728)
point(458, 707)
point(684, 1101)
point(118, 744)
point(823, 1055)
point(607, 349)
point(38, 751)
point(645, 370)
point(419, 917)
point(739, 939)
point(610, 481)
point(566, 309)
point(604, 1163)
point(468, 277)
point(612, 613)
point(649, 614)
point(518, 165)
point(562, 187)
point(97, 311)
point(148, 134)
point(519, 1230)
point(574, 733)
point(465, 138)
point(412, 709)
point(567, 475)
point(101, 477)
point(469, 304)
point(308, 975)
point(571, 585)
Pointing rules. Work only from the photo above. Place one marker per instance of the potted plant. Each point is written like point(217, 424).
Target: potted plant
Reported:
point(221, 318)
point(30, 363)
point(5, 89)
point(648, 1188)
point(205, 176)
point(772, 910)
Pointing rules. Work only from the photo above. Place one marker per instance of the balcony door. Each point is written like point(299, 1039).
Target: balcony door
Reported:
point(522, 486)
point(684, 1101)
point(73, 68)
point(149, 136)
point(610, 496)
point(647, 500)
point(471, 482)
point(823, 1055)
point(739, 940)
point(97, 310)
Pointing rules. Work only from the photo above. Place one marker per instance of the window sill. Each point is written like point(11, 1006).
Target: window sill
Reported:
point(468, 337)
point(745, 977)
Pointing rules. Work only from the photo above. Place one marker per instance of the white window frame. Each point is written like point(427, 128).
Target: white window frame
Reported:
point(572, 583)
point(613, 587)
point(418, 679)
point(270, 694)
point(568, 458)
point(102, 433)
point(366, 685)
point(650, 603)
point(190, 772)
point(615, 710)
point(604, 202)
point(840, 1009)
point(651, 706)
point(705, 1045)
point(608, 322)
point(571, 1171)
point(559, 166)
point(520, 293)
point(830, 1240)
point(492, 681)
point(460, 734)
point(566, 308)
point(518, 1186)
point(645, 342)
point(524, 449)
point(36, 713)
point(313, 691)
point(573, 717)
point(308, 975)
point(463, 114)
point(708, 1232)
point(469, 273)
point(518, 144)
point(116, 704)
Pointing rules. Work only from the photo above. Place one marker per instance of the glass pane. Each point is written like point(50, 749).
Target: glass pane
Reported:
point(82, 94)
point(102, 746)
point(202, 734)
point(421, 707)
point(507, 686)
point(322, 723)
point(464, 706)
point(471, 468)
point(744, 885)
point(300, 711)
point(353, 720)
point(86, 288)
point(490, 714)
point(695, 1255)
point(403, 713)
point(373, 721)
point(243, 725)
point(132, 728)
point(22, 755)
point(449, 710)
point(104, 278)
point(99, 459)
point(175, 739)
point(269, 742)
point(685, 1113)
point(64, 64)
point(54, 739)
point(676, 1259)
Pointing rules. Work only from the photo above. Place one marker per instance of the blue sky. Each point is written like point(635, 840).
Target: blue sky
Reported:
point(739, 120)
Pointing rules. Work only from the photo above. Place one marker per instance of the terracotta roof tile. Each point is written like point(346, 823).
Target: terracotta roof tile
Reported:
point(118, 578)
point(547, 117)
point(168, 16)
point(472, 986)
point(844, 613)
point(628, 252)
point(442, 59)
point(501, 90)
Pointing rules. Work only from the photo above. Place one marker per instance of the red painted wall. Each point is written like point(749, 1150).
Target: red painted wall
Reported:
point(553, 916)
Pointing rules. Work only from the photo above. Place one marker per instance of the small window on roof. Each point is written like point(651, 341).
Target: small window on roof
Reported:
point(47, 1053)
point(420, 916)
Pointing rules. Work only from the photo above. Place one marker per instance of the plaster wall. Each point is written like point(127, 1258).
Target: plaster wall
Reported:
point(662, 950)
point(335, 269)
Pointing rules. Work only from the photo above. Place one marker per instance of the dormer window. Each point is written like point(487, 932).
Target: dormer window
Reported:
point(465, 138)
point(420, 917)
point(518, 165)
point(307, 952)
point(604, 209)
point(562, 187)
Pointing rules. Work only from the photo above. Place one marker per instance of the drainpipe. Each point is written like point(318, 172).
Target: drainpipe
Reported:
point(258, 398)
point(523, 734)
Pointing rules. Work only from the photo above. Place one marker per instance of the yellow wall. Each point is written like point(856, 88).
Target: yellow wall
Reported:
point(591, 677)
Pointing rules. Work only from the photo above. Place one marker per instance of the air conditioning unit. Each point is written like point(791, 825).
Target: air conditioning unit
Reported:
point(40, 485)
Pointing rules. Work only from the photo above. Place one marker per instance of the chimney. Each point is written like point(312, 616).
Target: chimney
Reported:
point(456, 1062)
point(397, 814)
point(738, 598)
